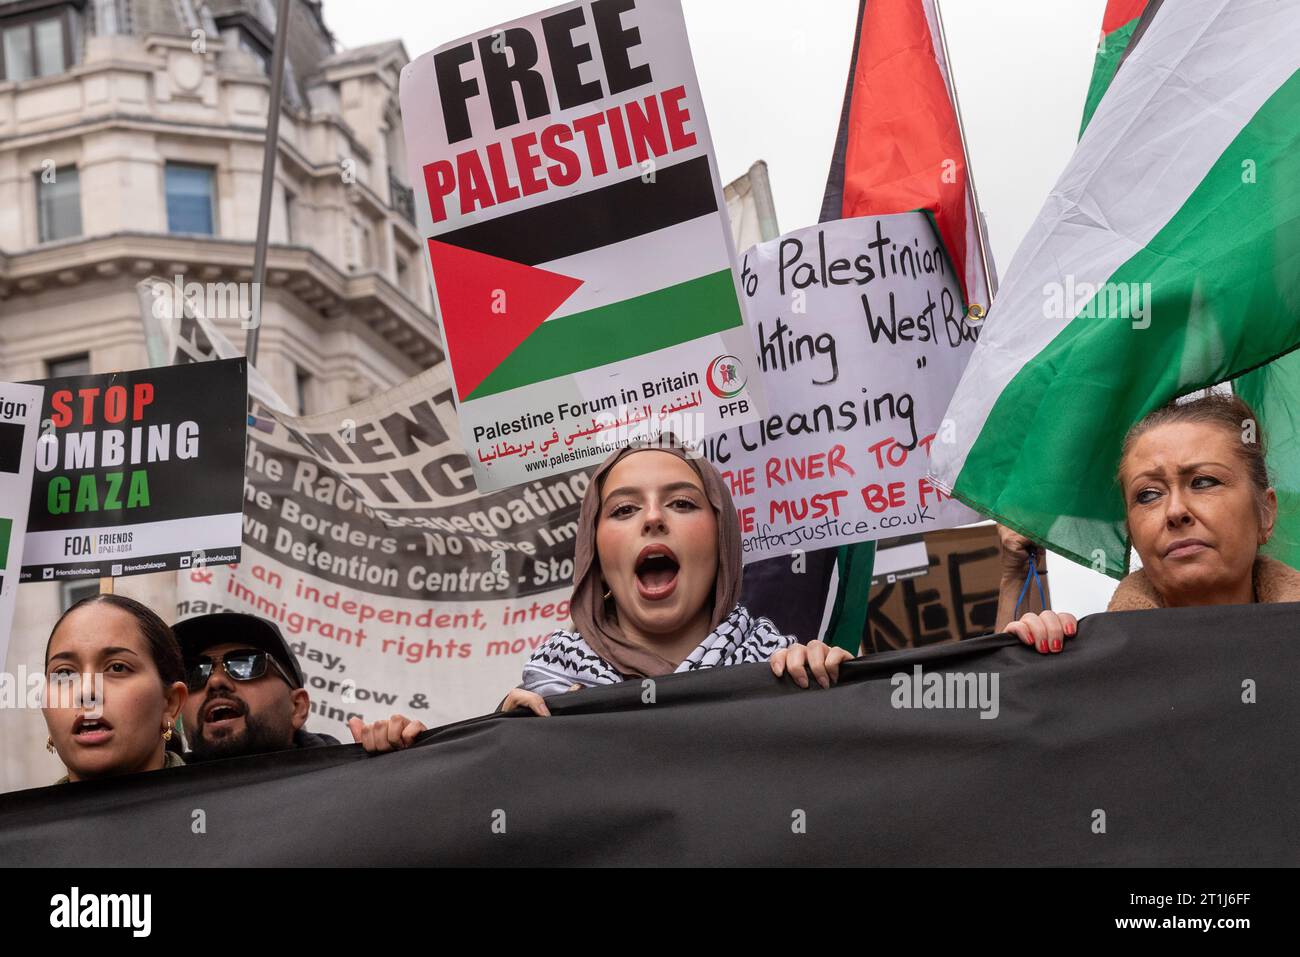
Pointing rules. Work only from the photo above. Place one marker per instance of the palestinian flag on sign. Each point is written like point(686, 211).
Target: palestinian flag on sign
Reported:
point(574, 301)
point(1118, 27)
point(1166, 259)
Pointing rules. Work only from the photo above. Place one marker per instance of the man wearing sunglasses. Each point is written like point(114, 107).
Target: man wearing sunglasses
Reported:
point(247, 693)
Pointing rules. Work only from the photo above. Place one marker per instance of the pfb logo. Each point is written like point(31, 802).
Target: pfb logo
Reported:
point(726, 377)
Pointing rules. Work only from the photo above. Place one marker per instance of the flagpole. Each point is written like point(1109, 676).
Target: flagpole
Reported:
point(270, 152)
point(951, 81)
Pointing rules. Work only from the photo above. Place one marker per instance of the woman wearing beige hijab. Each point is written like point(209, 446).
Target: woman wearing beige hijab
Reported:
point(656, 584)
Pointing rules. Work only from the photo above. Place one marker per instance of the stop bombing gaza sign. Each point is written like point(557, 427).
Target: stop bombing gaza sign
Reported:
point(581, 258)
point(137, 472)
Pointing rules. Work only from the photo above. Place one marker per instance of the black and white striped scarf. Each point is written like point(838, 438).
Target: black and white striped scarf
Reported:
point(565, 659)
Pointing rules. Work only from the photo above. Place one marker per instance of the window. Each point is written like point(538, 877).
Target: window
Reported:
point(250, 34)
point(58, 203)
point(68, 365)
point(73, 592)
point(189, 199)
point(36, 47)
point(363, 247)
point(302, 379)
point(403, 274)
point(290, 213)
point(255, 50)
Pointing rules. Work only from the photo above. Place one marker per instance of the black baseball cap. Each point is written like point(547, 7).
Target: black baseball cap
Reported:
point(196, 635)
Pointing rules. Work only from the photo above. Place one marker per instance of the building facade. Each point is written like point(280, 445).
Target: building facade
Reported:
point(131, 145)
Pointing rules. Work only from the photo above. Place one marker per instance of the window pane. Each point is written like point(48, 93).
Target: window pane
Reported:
point(69, 365)
point(252, 49)
point(18, 53)
point(303, 381)
point(290, 213)
point(49, 47)
point(189, 199)
point(59, 205)
point(73, 592)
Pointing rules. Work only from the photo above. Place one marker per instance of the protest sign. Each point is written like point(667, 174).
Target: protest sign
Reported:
point(954, 599)
point(177, 330)
point(751, 208)
point(138, 472)
point(861, 339)
point(398, 585)
point(900, 558)
point(581, 261)
point(20, 417)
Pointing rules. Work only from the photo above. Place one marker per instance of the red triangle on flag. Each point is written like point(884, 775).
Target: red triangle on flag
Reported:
point(489, 306)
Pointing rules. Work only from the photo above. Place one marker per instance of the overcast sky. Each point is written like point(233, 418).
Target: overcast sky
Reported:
point(772, 74)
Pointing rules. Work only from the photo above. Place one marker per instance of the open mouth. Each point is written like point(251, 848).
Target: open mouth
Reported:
point(86, 730)
point(656, 572)
point(220, 713)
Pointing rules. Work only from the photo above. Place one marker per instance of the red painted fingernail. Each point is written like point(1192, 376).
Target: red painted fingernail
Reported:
point(1056, 644)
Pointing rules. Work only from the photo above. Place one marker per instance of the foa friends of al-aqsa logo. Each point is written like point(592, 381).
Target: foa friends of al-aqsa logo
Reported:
point(101, 543)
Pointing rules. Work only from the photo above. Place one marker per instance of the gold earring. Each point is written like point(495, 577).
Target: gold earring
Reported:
point(167, 732)
point(49, 744)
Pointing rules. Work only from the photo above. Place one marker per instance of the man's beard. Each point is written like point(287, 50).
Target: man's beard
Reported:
point(258, 737)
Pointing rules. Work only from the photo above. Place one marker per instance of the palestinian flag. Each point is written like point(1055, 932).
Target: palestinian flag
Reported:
point(574, 301)
point(1118, 26)
point(1273, 391)
point(1166, 259)
point(899, 146)
point(898, 149)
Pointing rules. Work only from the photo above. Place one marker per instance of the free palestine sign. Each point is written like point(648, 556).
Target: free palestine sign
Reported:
point(582, 263)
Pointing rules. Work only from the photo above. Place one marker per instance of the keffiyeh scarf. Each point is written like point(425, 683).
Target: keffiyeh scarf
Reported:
point(565, 659)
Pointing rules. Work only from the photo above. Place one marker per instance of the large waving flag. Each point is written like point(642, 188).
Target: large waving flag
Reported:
point(1118, 24)
point(1166, 259)
point(1273, 391)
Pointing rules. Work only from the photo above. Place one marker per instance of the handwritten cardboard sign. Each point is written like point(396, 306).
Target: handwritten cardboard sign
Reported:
point(860, 335)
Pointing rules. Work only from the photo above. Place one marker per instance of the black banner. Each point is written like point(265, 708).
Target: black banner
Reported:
point(1162, 738)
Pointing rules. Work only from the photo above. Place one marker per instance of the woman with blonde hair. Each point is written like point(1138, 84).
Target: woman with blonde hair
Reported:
point(1199, 507)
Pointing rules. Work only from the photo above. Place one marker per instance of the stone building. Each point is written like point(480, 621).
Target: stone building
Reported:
point(131, 143)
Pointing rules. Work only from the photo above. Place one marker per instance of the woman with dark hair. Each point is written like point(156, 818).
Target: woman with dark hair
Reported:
point(656, 584)
point(115, 683)
point(1199, 506)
